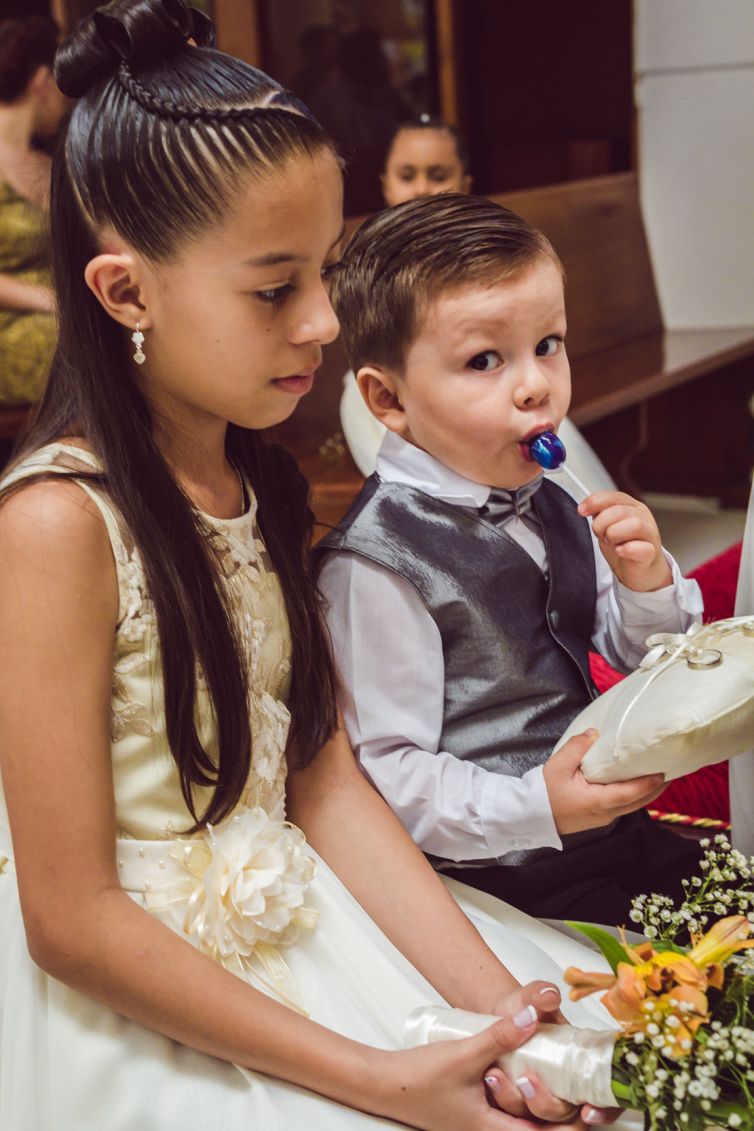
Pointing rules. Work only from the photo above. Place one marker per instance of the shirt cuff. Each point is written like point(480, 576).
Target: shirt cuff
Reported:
point(680, 602)
point(516, 813)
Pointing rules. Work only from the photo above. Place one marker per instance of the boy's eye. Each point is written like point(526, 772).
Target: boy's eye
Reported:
point(275, 294)
point(549, 345)
point(486, 362)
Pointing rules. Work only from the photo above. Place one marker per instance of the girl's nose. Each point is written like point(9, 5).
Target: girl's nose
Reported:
point(319, 322)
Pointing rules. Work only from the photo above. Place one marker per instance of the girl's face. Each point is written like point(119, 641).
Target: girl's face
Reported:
point(235, 324)
point(422, 162)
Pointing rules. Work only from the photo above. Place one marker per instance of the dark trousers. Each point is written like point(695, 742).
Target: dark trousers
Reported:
point(594, 882)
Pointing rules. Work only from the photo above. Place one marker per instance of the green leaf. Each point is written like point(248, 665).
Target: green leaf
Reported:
point(613, 950)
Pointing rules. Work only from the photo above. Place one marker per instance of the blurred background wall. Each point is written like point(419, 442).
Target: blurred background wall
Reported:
point(694, 64)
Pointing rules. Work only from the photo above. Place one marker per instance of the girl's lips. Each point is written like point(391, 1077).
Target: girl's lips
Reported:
point(298, 385)
point(525, 452)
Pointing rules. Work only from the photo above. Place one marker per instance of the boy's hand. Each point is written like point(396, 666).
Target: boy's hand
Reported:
point(578, 804)
point(629, 540)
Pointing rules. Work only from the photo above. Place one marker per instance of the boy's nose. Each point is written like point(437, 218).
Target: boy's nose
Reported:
point(533, 388)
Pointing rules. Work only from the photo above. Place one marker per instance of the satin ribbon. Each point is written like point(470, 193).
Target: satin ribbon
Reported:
point(668, 648)
point(575, 1064)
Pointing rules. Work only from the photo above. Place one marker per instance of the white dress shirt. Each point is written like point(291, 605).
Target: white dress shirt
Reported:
point(389, 658)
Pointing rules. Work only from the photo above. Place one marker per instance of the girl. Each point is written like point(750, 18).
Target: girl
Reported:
point(425, 156)
point(159, 632)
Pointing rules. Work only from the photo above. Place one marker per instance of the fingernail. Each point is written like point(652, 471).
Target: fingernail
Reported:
point(590, 732)
point(492, 1082)
point(593, 1115)
point(549, 990)
point(525, 1017)
point(525, 1087)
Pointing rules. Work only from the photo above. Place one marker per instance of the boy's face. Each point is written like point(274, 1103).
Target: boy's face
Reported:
point(487, 371)
point(422, 162)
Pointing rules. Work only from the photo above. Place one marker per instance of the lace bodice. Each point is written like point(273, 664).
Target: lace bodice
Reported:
point(149, 803)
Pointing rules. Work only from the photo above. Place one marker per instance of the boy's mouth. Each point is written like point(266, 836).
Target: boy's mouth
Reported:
point(523, 445)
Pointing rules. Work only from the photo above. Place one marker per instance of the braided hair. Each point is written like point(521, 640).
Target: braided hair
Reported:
point(164, 129)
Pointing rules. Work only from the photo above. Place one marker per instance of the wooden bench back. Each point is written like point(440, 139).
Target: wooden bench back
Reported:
point(597, 230)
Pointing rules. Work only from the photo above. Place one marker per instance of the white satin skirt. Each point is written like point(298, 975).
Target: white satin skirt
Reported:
point(68, 1063)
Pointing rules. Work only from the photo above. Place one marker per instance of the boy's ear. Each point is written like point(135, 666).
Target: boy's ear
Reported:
point(379, 389)
point(114, 280)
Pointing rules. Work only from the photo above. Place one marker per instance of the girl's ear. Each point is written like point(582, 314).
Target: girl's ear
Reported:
point(114, 280)
point(466, 183)
point(379, 388)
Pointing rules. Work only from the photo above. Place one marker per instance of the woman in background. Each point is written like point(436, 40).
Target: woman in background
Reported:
point(31, 109)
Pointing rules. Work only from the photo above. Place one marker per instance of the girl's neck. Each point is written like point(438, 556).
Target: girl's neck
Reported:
point(198, 460)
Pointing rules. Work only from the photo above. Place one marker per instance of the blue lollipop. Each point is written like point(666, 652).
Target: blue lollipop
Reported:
point(548, 450)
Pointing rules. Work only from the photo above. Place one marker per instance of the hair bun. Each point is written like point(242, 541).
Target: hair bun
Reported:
point(136, 32)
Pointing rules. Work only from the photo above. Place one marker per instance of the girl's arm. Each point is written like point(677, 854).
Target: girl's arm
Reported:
point(15, 294)
point(58, 609)
point(364, 843)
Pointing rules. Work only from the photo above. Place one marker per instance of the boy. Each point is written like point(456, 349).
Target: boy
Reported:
point(464, 591)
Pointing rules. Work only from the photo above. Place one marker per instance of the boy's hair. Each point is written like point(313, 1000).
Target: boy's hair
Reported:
point(427, 122)
point(403, 258)
point(164, 130)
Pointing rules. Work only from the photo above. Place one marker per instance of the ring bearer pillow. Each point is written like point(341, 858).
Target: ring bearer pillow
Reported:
point(689, 704)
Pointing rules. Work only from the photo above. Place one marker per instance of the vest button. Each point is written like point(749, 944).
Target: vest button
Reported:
point(554, 617)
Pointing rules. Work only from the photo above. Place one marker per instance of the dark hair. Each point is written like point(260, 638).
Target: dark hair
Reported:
point(25, 45)
point(426, 122)
point(154, 149)
point(402, 258)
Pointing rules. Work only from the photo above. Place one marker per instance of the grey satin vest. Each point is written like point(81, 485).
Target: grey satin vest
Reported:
point(515, 645)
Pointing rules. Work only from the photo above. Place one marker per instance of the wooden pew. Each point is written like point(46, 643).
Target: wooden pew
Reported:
point(665, 409)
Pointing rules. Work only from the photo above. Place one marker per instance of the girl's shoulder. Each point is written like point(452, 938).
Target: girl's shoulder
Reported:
point(51, 510)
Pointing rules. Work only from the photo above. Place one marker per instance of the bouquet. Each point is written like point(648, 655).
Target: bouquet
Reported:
point(684, 1053)
point(685, 1056)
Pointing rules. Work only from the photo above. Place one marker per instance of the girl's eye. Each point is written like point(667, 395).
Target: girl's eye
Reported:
point(330, 269)
point(549, 345)
point(486, 362)
point(275, 294)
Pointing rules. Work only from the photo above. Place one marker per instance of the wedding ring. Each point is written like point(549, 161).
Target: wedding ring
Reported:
point(709, 658)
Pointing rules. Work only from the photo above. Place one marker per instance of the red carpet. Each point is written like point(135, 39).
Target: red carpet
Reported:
point(700, 798)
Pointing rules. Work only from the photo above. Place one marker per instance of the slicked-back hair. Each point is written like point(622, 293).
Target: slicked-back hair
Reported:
point(405, 257)
point(163, 134)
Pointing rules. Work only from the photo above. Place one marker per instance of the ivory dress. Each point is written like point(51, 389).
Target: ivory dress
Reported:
point(68, 1063)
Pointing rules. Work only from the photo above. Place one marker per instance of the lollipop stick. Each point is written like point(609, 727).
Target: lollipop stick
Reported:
point(581, 486)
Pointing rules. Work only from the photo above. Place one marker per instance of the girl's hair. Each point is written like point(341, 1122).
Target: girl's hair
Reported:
point(427, 122)
point(25, 45)
point(402, 259)
point(155, 149)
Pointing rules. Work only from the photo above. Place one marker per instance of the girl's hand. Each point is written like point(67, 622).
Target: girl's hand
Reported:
point(629, 540)
point(450, 1086)
point(543, 997)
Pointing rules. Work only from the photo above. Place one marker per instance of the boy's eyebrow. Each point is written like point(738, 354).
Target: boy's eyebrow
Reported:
point(274, 258)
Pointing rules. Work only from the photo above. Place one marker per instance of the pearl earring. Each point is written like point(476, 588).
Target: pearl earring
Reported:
point(137, 338)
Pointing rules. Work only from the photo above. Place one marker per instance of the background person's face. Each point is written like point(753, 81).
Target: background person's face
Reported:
point(422, 162)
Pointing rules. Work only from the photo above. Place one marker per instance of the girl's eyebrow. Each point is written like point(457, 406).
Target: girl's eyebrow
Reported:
point(274, 258)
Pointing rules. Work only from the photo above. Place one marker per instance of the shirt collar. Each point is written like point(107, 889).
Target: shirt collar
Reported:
point(398, 461)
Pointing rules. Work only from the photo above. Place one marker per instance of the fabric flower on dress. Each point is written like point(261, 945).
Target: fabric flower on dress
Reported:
point(248, 881)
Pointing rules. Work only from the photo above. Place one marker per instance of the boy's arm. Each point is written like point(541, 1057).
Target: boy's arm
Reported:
point(389, 658)
point(624, 618)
